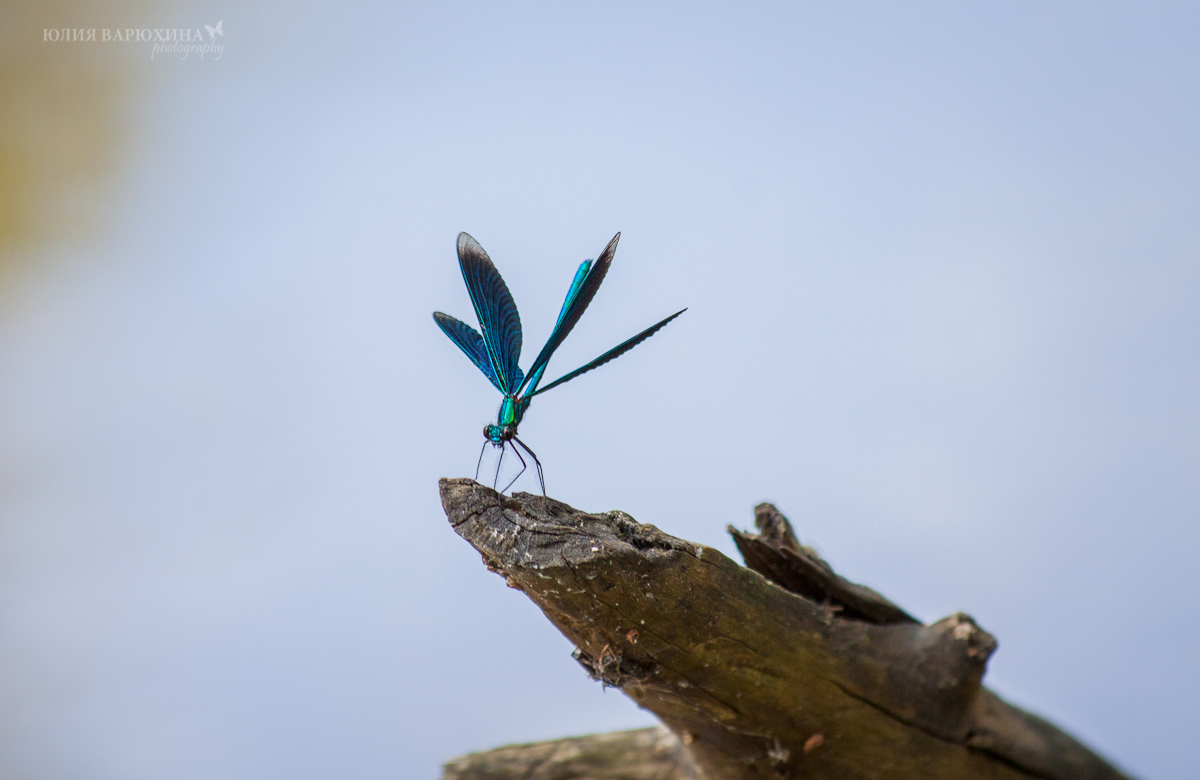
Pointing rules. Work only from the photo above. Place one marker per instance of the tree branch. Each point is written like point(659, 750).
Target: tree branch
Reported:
point(783, 670)
point(644, 754)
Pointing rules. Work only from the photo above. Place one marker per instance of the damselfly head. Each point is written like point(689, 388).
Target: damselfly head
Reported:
point(497, 434)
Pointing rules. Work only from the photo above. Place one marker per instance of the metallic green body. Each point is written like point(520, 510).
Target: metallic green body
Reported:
point(511, 411)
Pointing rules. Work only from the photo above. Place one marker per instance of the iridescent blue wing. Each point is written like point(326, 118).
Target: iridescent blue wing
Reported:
point(538, 368)
point(576, 283)
point(583, 289)
point(497, 312)
point(470, 342)
point(612, 354)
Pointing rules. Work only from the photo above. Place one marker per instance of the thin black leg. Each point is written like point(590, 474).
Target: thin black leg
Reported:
point(479, 463)
point(536, 462)
point(496, 479)
point(519, 473)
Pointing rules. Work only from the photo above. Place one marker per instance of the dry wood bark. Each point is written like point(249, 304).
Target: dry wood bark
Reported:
point(644, 754)
point(783, 669)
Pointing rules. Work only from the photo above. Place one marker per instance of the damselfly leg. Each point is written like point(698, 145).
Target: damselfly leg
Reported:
point(480, 461)
point(499, 460)
point(519, 473)
point(536, 462)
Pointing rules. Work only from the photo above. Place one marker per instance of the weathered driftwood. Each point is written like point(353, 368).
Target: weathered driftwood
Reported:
point(645, 754)
point(782, 669)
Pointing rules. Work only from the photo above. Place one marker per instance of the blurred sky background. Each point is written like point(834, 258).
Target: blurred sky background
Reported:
point(941, 264)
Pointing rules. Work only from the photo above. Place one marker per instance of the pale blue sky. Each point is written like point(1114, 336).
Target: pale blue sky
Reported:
point(941, 268)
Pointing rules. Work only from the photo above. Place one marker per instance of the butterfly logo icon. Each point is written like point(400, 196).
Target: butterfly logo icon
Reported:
point(213, 32)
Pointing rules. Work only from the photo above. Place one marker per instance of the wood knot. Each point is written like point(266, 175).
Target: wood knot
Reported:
point(978, 644)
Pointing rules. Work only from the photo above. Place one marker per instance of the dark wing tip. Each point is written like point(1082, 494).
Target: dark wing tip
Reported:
point(606, 257)
point(467, 244)
point(611, 248)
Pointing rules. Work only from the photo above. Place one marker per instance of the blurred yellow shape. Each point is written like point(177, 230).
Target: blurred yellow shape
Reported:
point(63, 108)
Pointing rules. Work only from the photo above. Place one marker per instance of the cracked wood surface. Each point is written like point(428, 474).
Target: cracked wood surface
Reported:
point(789, 670)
